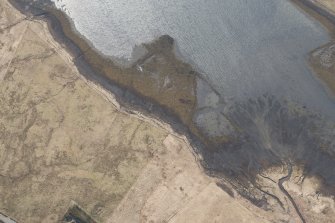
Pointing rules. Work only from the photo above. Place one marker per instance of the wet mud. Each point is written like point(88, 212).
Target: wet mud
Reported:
point(272, 133)
point(322, 60)
point(236, 141)
point(282, 188)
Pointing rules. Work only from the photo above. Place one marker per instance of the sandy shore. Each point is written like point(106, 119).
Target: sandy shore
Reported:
point(65, 139)
point(324, 12)
point(322, 59)
point(74, 141)
point(327, 4)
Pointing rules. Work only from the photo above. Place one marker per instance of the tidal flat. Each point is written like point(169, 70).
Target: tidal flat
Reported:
point(236, 139)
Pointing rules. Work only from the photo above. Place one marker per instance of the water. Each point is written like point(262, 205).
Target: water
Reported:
point(244, 47)
point(253, 52)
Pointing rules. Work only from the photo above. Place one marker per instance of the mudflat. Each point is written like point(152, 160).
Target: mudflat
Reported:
point(322, 59)
point(64, 139)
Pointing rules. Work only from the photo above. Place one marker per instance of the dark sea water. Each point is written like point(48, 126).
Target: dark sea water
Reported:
point(253, 53)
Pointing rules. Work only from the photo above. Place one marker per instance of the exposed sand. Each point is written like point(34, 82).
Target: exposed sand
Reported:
point(330, 4)
point(322, 60)
point(65, 139)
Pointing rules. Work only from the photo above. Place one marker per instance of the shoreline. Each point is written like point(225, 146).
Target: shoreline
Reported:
point(322, 73)
point(38, 31)
point(318, 12)
point(62, 31)
point(111, 97)
point(89, 62)
point(125, 99)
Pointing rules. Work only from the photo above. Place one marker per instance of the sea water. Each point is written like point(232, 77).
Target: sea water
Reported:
point(243, 47)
